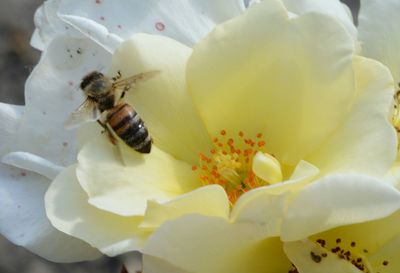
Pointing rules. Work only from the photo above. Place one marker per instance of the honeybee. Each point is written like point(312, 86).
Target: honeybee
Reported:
point(104, 104)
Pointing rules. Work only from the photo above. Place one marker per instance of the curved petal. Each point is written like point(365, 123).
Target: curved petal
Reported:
point(163, 102)
point(10, 118)
point(227, 248)
point(208, 200)
point(155, 176)
point(333, 8)
point(49, 25)
point(363, 238)
point(367, 139)
point(23, 219)
point(68, 210)
point(380, 38)
point(51, 94)
point(32, 163)
point(267, 205)
point(299, 254)
point(286, 84)
point(338, 200)
point(184, 21)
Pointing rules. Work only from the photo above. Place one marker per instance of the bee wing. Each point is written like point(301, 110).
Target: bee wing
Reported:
point(125, 84)
point(86, 112)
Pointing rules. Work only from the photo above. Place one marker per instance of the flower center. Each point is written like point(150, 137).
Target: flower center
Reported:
point(238, 164)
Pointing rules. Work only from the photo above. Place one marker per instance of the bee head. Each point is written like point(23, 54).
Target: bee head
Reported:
point(89, 78)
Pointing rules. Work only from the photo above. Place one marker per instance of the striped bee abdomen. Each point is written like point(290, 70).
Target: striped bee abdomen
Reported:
point(127, 124)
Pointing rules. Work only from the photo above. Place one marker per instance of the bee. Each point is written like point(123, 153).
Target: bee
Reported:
point(104, 104)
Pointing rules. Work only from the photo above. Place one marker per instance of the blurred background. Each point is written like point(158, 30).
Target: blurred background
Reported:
point(17, 59)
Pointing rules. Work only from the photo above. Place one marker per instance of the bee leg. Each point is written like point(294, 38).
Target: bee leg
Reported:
point(116, 78)
point(107, 130)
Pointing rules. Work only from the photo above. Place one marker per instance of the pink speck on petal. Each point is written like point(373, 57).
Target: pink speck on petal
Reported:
point(102, 18)
point(23, 173)
point(119, 26)
point(160, 26)
point(65, 144)
point(70, 83)
point(98, 1)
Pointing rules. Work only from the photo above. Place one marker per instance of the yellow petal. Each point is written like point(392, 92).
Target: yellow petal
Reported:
point(68, 210)
point(366, 142)
point(338, 200)
point(209, 244)
point(306, 256)
point(286, 78)
point(163, 101)
point(125, 188)
point(208, 200)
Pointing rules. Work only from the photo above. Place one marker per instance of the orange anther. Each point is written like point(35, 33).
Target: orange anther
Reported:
point(194, 168)
point(259, 135)
point(223, 132)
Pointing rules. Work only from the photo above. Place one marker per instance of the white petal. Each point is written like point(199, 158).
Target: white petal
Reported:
point(10, 118)
point(51, 94)
point(184, 21)
point(338, 200)
point(94, 31)
point(366, 142)
point(32, 163)
point(68, 210)
point(23, 220)
point(49, 25)
point(304, 255)
point(379, 33)
point(333, 8)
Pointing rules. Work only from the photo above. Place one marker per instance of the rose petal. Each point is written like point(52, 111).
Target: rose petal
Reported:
point(300, 254)
point(163, 101)
point(23, 219)
point(363, 238)
point(338, 200)
point(367, 139)
point(68, 210)
point(380, 38)
point(32, 163)
point(52, 94)
point(274, 82)
point(333, 8)
point(267, 205)
point(10, 117)
point(49, 25)
point(208, 200)
point(105, 178)
point(226, 247)
point(184, 21)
